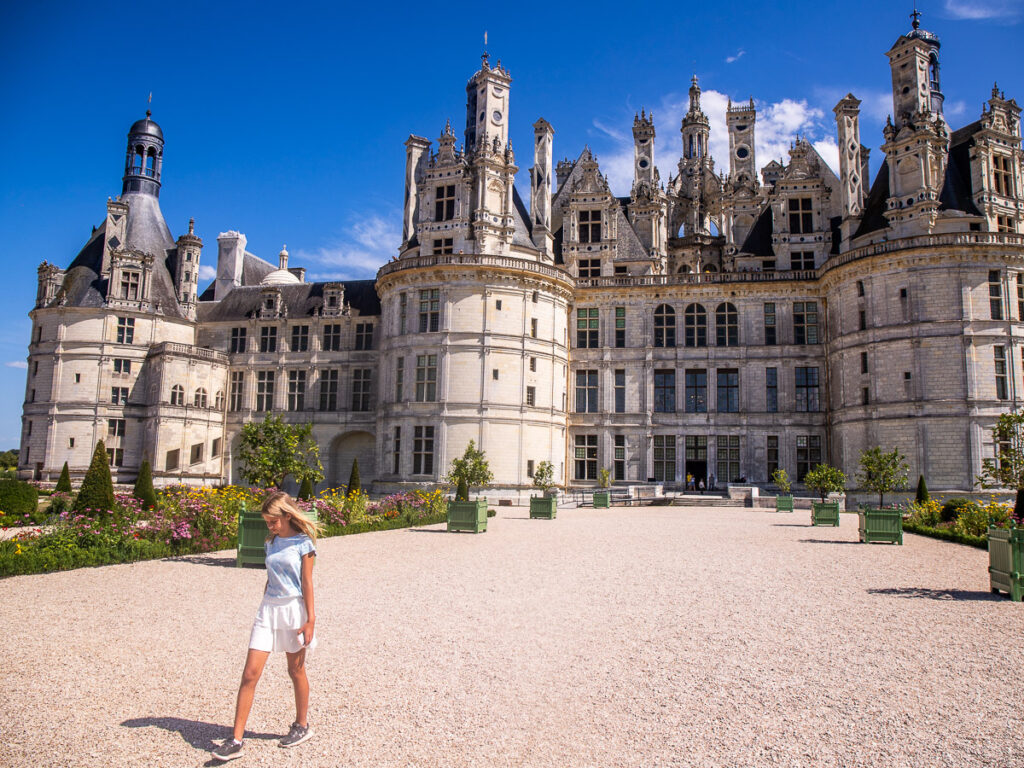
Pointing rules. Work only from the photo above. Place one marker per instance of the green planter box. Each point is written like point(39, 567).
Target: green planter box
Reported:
point(880, 525)
point(467, 516)
point(825, 513)
point(542, 507)
point(783, 503)
point(1006, 561)
point(252, 533)
point(601, 499)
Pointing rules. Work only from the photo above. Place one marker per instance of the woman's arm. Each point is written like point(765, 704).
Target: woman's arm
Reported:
point(307, 595)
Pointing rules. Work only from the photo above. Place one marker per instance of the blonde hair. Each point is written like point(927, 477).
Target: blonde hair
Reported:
point(280, 504)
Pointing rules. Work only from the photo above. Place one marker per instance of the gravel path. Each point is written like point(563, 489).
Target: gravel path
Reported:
point(625, 637)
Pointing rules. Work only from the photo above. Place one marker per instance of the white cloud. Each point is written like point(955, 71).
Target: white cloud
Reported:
point(206, 272)
point(17, 364)
point(980, 10)
point(364, 245)
point(609, 131)
point(736, 57)
point(829, 151)
point(955, 109)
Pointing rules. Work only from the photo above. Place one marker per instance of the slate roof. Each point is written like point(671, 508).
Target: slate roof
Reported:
point(302, 300)
point(628, 245)
point(873, 217)
point(759, 239)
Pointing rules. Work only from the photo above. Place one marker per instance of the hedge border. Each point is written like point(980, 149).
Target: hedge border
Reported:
point(980, 542)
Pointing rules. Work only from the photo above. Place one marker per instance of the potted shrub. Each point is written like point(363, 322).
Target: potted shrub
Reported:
point(784, 500)
point(882, 473)
point(824, 480)
point(544, 507)
point(1006, 470)
point(602, 497)
point(470, 469)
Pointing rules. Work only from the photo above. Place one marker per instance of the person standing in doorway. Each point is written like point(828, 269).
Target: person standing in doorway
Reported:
point(700, 486)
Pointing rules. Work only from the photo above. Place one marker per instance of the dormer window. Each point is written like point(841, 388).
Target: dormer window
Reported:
point(1002, 180)
point(444, 246)
point(590, 226)
point(334, 299)
point(444, 203)
point(800, 219)
point(130, 282)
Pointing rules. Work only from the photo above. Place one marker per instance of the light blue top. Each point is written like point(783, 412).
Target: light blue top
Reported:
point(284, 564)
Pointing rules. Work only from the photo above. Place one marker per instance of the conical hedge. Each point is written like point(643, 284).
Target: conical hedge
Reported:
point(922, 490)
point(306, 489)
point(97, 491)
point(353, 478)
point(64, 481)
point(462, 491)
point(144, 491)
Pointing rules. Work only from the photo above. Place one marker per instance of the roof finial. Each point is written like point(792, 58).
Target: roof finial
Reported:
point(916, 16)
point(149, 103)
point(485, 59)
point(191, 226)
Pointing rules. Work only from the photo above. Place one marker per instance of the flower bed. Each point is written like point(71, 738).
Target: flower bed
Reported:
point(969, 523)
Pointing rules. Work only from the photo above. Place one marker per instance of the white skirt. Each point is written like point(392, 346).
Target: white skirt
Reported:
point(277, 623)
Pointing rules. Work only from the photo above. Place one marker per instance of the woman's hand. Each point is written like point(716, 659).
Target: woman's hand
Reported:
point(306, 632)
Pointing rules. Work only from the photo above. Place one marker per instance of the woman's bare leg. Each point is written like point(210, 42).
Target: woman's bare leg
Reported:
point(254, 663)
point(297, 672)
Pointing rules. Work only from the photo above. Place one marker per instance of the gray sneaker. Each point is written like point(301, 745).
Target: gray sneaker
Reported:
point(295, 736)
point(229, 750)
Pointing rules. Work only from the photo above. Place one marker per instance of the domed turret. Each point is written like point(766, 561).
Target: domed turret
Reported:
point(281, 275)
point(145, 158)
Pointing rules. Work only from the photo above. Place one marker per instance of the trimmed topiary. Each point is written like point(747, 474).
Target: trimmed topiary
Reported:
point(951, 508)
point(97, 491)
point(462, 492)
point(922, 490)
point(306, 489)
point(353, 478)
point(17, 499)
point(64, 481)
point(144, 491)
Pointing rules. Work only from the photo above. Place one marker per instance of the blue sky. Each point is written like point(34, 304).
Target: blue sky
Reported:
point(286, 121)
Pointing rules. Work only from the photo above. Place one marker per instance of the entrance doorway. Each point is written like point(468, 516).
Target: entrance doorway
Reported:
point(697, 458)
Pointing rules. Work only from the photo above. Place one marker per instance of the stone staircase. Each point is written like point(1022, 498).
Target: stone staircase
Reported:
point(706, 500)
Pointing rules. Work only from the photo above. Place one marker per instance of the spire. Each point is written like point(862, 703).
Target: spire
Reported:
point(916, 16)
point(191, 226)
point(283, 257)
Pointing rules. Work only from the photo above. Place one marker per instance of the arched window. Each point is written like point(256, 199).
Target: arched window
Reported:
point(138, 159)
point(200, 399)
point(151, 162)
point(664, 326)
point(710, 268)
point(696, 324)
point(218, 400)
point(177, 395)
point(683, 270)
point(727, 330)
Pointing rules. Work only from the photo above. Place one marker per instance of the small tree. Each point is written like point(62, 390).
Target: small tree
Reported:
point(883, 472)
point(604, 478)
point(270, 451)
point(825, 480)
point(781, 479)
point(64, 481)
point(97, 491)
point(544, 477)
point(306, 489)
point(144, 491)
point(1006, 470)
point(354, 485)
point(922, 491)
point(472, 467)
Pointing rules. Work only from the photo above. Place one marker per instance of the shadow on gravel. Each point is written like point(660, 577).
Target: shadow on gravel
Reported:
point(426, 530)
point(791, 525)
point(935, 594)
point(826, 541)
point(222, 561)
point(198, 734)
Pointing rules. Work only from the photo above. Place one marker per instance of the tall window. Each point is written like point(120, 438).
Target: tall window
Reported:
point(770, 338)
point(995, 294)
point(620, 390)
point(430, 310)
point(727, 331)
point(426, 378)
point(177, 395)
point(664, 326)
point(396, 451)
point(115, 456)
point(422, 450)
point(1002, 175)
point(728, 390)
point(364, 335)
point(1002, 391)
point(665, 458)
point(130, 285)
point(805, 322)
point(403, 312)
point(586, 328)
point(586, 457)
point(531, 396)
point(696, 391)
point(801, 260)
point(808, 454)
point(807, 389)
point(125, 330)
point(296, 390)
point(619, 461)
point(218, 400)
point(329, 389)
point(200, 399)
point(235, 390)
point(300, 338)
point(115, 427)
point(863, 362)
point(800, 220)
point(332, 337)
point(589, 268)
point(695, 321)
point(268, 339)
point(620, 327)
point(665, 391)
point(772, 455)
point(590, 226)
point(696, 448)
point(264, 390)
point(399, 379)
point(444, 246)
point(361, 389)
point(771, 390)
point(1020, 296)
point(586, 391)
point(238, 340)
point(729, 458)
point(444, 203)
point(121, 365)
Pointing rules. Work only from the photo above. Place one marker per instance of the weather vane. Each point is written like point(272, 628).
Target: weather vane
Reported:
point(916, 16)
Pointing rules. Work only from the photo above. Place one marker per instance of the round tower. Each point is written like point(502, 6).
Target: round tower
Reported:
point(144, 158)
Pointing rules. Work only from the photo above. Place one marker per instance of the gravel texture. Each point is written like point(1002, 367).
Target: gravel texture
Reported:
point(624, 637)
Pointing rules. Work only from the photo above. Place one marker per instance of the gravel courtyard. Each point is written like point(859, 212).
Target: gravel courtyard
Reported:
point(651, 636)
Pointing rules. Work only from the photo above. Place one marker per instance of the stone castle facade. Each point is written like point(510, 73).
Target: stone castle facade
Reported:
point(718, 325)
